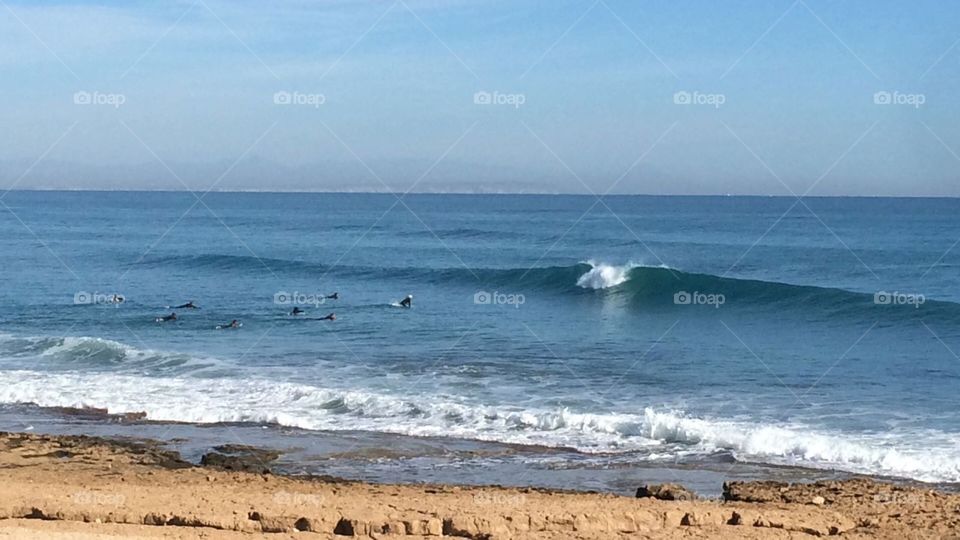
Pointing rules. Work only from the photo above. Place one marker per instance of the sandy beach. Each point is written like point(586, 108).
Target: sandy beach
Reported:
point(90, 488)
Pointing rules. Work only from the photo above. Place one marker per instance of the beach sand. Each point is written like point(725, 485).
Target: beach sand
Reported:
point(78, 487)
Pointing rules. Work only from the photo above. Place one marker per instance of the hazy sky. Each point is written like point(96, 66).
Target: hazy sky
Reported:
point(706, 97)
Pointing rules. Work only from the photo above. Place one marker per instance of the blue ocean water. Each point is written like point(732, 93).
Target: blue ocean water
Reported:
point(822, 334)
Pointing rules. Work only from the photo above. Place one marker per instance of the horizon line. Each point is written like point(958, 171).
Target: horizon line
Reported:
point(476, 193)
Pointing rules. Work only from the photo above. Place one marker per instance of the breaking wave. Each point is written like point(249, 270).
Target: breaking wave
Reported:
point(646, 433)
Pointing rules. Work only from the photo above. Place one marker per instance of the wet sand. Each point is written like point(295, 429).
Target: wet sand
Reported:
point(83, 487)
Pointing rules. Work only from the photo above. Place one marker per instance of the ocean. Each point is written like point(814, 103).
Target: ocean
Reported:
point(560, 334)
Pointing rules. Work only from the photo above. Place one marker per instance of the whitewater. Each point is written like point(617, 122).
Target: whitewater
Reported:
point(643, 432)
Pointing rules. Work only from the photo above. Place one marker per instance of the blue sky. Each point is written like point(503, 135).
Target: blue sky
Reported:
point(697, 97)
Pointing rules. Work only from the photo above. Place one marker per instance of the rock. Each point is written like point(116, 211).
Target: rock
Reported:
point(237, 457)
point(666, 492)
point(306, 524)
point(755, 492)
point(154, 519)
point(702, 519)
point(467, 526)
point(395, 527)
point(818, 500)
point(352, 527)
point(247, 450)
point(434, 527)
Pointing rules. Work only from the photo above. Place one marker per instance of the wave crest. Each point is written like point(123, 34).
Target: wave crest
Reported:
point(604, 276)
point(642, 284)
point(93, 352)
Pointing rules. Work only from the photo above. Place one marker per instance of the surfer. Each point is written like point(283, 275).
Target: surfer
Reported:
point(233, 324)
point(188, 305)
point(170, 317)
point(406, 302)
point(297, 311)
point(334, 296)
point(330, 317)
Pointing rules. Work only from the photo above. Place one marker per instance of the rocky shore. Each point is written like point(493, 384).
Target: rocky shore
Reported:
point(75, 487)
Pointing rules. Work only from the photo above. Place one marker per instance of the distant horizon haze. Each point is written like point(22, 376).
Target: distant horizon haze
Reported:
point(788, 97)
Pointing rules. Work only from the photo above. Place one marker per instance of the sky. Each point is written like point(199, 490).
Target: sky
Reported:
point(765, 97)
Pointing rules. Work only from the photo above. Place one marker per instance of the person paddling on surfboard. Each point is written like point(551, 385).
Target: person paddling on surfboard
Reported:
point(188, 305)
point(233, 324)
point(334, 296)
point(407, 302)
point(330, 317)
point(297, 311)
point(170, 317)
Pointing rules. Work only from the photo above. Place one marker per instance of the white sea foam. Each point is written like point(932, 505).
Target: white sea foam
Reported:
point(927, 456)
point(603, 276)
point(917, 456)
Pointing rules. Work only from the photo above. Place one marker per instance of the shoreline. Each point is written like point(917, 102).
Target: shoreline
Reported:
point(60, 486)
point(380, 458)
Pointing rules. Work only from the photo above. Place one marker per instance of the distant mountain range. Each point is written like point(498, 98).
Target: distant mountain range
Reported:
point(257, 174)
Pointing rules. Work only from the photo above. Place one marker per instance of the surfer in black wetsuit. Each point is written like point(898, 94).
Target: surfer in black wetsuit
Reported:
point(330, 317)
point(334, 296)
point(188, 305)
point(170, 317)
point(233, 324)
point(297, 311)
point(407, 302)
